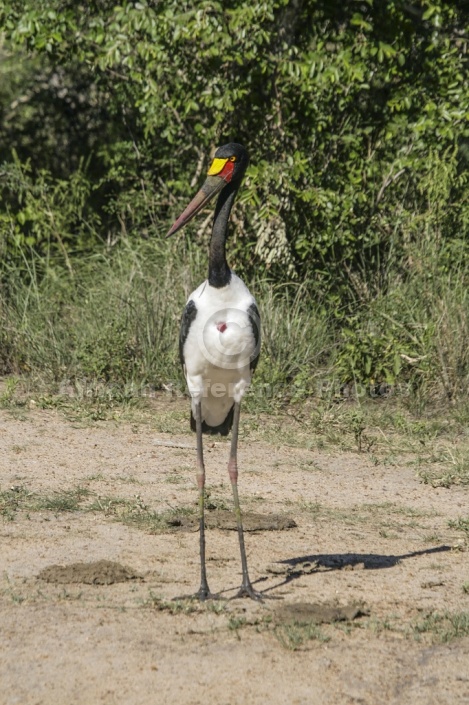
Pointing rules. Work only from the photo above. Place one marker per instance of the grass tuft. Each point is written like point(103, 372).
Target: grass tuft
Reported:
point(19, 498)
point(134, 512)
point(450, 467)
point(442, 627)
point(460, 525)
point(294, 636)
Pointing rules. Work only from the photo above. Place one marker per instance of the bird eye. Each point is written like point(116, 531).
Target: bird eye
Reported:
point(232, 159)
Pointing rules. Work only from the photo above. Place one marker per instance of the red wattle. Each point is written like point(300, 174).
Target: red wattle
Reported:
point(227, 172)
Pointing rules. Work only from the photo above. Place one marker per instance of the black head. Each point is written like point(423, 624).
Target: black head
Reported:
point(236, 154)
point(228, 167)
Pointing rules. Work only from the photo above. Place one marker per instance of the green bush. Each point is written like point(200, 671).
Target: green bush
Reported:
point(352, 222)
point(351, 111)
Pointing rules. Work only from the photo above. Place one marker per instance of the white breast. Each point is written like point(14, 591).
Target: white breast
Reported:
point(219, 347)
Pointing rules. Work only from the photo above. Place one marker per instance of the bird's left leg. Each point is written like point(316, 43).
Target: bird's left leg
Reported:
point(246, 589)
point(204, 590)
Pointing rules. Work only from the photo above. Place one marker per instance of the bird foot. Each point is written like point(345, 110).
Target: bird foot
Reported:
point(203, 594)
point(248, 591)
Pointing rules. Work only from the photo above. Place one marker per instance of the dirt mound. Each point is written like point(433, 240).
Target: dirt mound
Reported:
point(224, 519)
point(311, 613)
point(96, 573)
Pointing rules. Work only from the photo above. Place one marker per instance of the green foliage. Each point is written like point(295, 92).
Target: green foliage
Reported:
point(344, 106)
point(356, 118)
point(109, 326)
point(50, 215)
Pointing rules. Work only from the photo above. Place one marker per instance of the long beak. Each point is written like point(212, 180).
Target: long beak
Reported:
point(211, 187)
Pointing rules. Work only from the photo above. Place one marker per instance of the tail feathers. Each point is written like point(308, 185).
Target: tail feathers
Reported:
point(223, 429)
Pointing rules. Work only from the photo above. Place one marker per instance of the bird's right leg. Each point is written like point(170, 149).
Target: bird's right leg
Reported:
point(246, 589)
point(204, 591)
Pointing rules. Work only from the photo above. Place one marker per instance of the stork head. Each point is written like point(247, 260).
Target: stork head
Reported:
point(227, 167)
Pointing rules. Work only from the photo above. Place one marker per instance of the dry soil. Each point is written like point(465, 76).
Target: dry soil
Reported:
point(356, 560)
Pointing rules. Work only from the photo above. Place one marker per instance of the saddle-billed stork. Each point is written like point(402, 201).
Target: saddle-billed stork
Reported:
point(219, 341)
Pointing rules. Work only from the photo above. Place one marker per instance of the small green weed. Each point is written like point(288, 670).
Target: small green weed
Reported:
point(452, 468)
point(134, 512)
point(294, 636)
point(388, 516)
point(8, 395)
point(20, 498)
point(380, 625)
point(442, 627)
point(214, 501)
point(184, 605)
point(11, 592)
point(66, 594)
point(12, 500)
point(180, 606)
point(358, 425)
point(235, 623)
point(174, 479)
point(460, 524)
point(64, 501)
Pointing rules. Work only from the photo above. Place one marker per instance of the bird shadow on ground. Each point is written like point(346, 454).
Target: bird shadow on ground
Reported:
point(293, 568)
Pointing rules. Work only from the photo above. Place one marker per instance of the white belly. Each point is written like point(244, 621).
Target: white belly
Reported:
point(219, 348)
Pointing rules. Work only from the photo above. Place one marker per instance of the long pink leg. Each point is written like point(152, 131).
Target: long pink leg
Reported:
point(204, 591)
point(246, 589)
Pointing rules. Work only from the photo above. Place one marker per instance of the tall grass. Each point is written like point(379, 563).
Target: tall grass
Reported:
point(114, 318)
point(415, 330)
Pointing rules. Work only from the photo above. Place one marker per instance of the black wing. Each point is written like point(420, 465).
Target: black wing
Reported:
point(255, 321)
point(188, 317)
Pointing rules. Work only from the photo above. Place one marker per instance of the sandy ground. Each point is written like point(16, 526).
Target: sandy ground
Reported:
point(371, 542)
